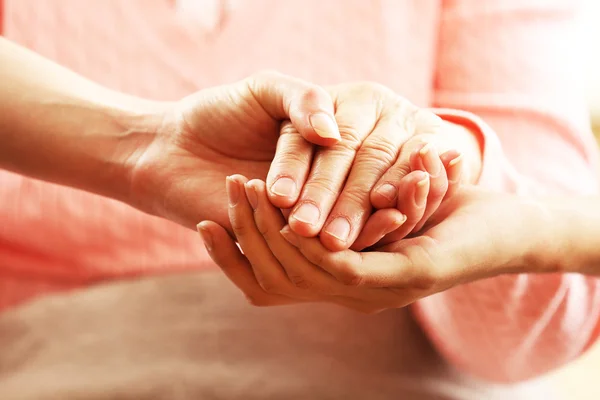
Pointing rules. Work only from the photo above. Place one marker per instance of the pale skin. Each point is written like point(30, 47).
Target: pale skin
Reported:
point(60, 127)
point(506, 234)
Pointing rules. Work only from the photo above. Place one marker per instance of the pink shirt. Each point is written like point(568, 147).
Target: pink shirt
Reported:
point(513, 63)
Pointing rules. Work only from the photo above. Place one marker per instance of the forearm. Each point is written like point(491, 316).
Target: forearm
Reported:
point(60, 127)
point(569, 232)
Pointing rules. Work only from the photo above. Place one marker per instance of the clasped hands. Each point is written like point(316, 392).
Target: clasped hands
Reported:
point(385, 169)
point(372, 217)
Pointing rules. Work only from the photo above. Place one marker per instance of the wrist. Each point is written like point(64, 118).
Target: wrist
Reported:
point(570, 228)
point(135, 128)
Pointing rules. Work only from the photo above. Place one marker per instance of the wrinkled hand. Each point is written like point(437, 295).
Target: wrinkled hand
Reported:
point(240, 128)
point(375, 125)
point(476, 234)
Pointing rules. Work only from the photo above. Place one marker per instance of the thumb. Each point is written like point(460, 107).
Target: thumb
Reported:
point(308, 106)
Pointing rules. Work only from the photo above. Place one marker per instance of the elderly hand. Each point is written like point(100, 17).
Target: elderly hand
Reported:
point(240, 128)
point(383, 138)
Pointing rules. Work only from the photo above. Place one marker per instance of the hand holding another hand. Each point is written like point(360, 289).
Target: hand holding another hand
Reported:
point(476, 234)
point(387, 142)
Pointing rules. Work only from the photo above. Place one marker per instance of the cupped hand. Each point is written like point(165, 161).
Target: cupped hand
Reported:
point(475, 235)
point(223, 130)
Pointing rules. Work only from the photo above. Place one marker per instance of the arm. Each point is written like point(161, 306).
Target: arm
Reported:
point(570, 235)
point(57, 126)
point(60, 127)
point(514, 66)
point(167, 159)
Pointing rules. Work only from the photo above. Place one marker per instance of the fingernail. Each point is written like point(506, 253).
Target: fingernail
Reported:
point(290, 236)
point(400, 221)
point(307, 213)
point(325, 126)
point(430, 163)
point(205, 235)
point(388, 191)
point(454, 171)
point(339, 228)
point(455, 161)
point(396, 223)
point(421, 193)
point(285, 187)
point(233, 191)
point(251, 195)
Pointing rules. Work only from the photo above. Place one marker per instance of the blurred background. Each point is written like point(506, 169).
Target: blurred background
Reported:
point(578, 381)
point(591, 27)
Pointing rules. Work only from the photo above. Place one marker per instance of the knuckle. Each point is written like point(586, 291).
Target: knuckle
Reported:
point(343, 268)
point(425, 281)
point(355, 198)
point(300, 281)
point(350, 276)
point(291, 156)
point(394, 175)
point(322, 184)
point(268, 286)
point(404, 115)
point(310, 93)
point(381, 149)
point(320, 259)
point(287, 128)
point(351, 137)
point(427, 121)
point(400, 170)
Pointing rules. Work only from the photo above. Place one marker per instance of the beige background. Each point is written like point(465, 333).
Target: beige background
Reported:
point(581, 379)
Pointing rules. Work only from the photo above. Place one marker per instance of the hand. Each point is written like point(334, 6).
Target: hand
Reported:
point(415, 188)
point(476, 234)
point(227, 129)
point(334, 203)
point(375, 125)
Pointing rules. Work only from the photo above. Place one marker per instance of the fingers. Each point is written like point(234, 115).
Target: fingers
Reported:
point(331, 166)
point(300, 273)
point(289, 168)
point(453, 164)
point(268, 272)
point(380, 224)
point(413, 191)
point(409, 268)
point(224, 252)
point(310, 283)
point(428, 160)
point(386, 190)
point(376, 155)
point(308, 106)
